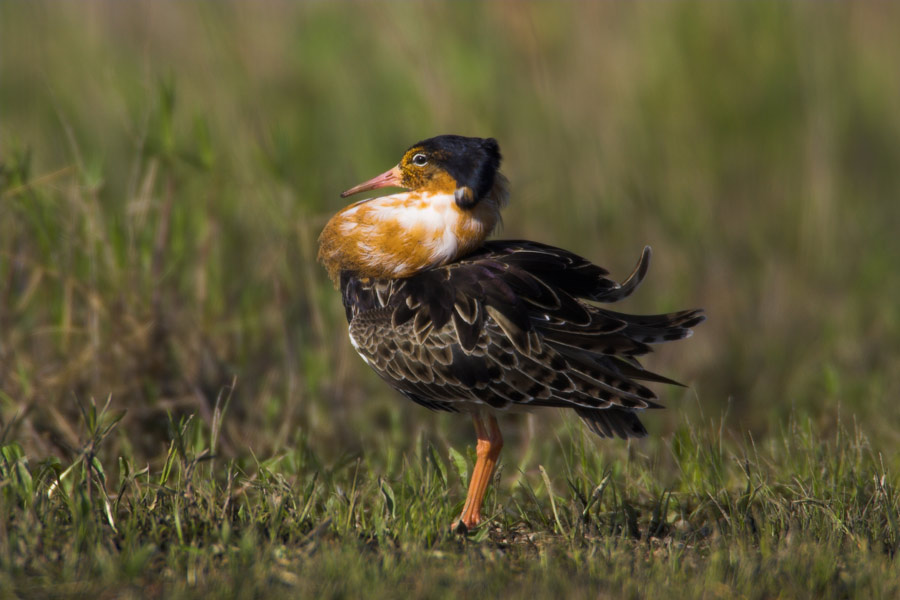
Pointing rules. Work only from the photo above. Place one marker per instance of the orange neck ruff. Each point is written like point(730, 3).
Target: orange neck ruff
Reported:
point(399, 235)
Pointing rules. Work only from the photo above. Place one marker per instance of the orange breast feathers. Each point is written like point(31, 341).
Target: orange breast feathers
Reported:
point(399, 235)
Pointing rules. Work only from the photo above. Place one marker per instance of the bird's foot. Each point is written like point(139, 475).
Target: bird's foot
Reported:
point(464, 525)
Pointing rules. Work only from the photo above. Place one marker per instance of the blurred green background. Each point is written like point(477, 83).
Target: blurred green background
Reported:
point(166, 169)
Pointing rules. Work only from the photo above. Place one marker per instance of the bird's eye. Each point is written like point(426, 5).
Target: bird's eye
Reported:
point(420, 160)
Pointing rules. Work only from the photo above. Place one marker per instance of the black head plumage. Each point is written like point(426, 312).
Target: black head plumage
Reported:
point(472, 162)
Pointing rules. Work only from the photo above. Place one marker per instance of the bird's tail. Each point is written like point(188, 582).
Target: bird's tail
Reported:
point(612, 421)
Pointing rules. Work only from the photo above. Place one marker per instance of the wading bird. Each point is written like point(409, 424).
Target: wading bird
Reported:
point(461, 324)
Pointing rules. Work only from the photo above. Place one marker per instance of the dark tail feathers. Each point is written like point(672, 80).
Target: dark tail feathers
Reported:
point(612, 421)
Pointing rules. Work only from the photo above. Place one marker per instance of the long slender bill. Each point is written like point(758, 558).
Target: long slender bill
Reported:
point(388, 178)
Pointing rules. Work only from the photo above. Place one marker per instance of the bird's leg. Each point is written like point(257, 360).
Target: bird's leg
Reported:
point(487, 451)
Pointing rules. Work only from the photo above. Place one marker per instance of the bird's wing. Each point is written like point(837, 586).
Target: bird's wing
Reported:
point(506, 327)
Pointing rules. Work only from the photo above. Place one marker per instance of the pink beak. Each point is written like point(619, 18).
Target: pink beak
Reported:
point(388, 178)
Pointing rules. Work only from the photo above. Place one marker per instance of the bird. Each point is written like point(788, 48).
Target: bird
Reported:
point(458, 323)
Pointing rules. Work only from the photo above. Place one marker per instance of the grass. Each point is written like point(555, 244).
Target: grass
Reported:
point(706, 515)
point(181, 413)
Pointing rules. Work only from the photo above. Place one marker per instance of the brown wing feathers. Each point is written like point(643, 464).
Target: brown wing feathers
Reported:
point(504, 326)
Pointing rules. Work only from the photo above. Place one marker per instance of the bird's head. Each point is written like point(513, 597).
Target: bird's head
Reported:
point(455, 193)
point(447, 164)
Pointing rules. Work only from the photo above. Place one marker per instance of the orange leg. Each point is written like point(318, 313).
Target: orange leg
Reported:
point(487, 451)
